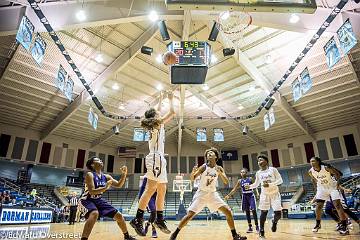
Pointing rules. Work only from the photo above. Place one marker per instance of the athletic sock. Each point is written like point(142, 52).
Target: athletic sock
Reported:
point(159, 215)
point(263, 216)
point(248, 217)
point(176, 232)
point(255, 217)
point(140, 214)
point(126, 235)
point(152, 217)
point(233, 232)
point(84, 238)
point(277, 216)
point(318, 222)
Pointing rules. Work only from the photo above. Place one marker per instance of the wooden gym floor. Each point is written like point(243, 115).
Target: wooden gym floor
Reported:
point(202, 230)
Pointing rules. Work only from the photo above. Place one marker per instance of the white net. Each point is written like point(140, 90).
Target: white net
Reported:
point(233, 25)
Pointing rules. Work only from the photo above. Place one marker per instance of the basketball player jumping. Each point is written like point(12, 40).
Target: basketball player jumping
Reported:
point(155, 167)
point(270, 179)
point(320, 174)
point(151, 208)
point(96, 183)
point(248, 202)
point(206, 195)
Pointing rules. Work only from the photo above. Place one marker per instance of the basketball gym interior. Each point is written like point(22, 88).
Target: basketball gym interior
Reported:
point(273, 78)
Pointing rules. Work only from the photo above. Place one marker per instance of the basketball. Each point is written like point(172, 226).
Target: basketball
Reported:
point(169, 58)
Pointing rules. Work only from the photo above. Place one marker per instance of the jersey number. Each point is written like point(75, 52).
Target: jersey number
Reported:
point(209, 181)
point(325, 181)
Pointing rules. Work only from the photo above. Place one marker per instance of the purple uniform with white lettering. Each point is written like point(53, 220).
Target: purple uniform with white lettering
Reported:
point(248, 197)
point(152, 203)
point(96, 202)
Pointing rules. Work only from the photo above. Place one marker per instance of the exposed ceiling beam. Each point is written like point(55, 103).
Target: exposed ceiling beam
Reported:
point(185, 37)
point(125, 57)
point(221, 113)
point(250, 68)
point(111, 12)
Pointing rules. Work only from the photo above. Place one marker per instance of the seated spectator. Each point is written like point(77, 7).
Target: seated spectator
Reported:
point(7, 199)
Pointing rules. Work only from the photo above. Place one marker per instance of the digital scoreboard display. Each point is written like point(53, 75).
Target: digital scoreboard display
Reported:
point(191, 53)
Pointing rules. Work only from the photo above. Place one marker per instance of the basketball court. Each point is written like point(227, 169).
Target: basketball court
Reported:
point(278, 79)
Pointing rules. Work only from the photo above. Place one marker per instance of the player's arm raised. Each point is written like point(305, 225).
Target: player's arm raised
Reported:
point(89, 180)
point(120, 183)
point(236, 187)
point(171, 112)
point(196, 172)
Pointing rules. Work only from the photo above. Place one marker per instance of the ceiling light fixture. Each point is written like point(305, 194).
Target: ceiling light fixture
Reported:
point(122, 106)
point(240, 107)
point(153, 16)
point(159, 87)
point(225, 15)
point(205, 87)
point(294, 18)
point(213, 58)
point(252, 88)
point(81, 15)
point(268, 59)
point(99, 58)
point(115, 86)
point(159, 58)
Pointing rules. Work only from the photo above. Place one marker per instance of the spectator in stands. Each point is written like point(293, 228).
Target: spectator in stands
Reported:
point(356, 195)
point(33, 193)
point(7, 199)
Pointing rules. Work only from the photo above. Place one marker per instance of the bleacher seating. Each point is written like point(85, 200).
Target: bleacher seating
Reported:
point(121, 198)
point(44, 191)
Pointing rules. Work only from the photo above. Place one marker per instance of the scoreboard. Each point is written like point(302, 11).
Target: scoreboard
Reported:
point(191, 53)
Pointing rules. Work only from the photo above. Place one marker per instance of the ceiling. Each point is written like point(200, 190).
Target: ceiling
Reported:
point(30, 99)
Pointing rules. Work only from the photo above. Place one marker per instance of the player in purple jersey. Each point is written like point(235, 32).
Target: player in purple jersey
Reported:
point(151, 208)
point(96, 183)
point(248, 198)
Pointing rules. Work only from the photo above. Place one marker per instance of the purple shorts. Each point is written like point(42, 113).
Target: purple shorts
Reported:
point(100, 205)
point(248, 202)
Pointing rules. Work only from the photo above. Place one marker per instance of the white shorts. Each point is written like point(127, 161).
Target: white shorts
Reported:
point(156, 168)
point(272, 200)
point(202, 199)
point(325, 194)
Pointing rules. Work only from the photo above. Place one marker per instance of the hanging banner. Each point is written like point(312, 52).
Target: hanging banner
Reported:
point(38, 49)
point(296, 90)
point(332, 52)
point(201, 134)
point(218, 135)
point(61, 78)
point(138, 135)
point(271, 116)
point(266, 122)
point(91, 116)
point(95, 121)
point(306, 81)
point(25, 33)
point(346, 37)
point(68, 90)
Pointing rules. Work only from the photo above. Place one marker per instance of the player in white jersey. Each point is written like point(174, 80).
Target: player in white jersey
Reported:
point(206, 195)
point(155, 167)
point(269, 178)
point(320, 174)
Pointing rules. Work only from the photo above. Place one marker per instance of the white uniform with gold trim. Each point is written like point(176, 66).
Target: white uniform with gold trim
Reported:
point(325, 187)
point(206, 195)
point(155, 161)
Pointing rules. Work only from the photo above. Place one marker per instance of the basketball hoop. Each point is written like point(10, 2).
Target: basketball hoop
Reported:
point(233, 25)
point(182, 186)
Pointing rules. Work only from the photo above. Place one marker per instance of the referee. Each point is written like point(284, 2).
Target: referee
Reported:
point(73, 202)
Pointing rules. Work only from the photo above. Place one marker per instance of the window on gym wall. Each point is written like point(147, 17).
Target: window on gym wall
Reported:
point(350, 145)
point(4, 144)
point(309, 150)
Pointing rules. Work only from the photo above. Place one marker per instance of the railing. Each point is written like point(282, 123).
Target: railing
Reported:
point(8, 184)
